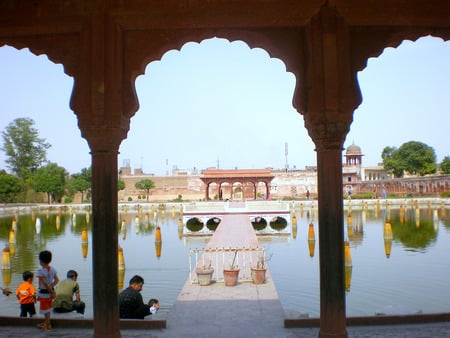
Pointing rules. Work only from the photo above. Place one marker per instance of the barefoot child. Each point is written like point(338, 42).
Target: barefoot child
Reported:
point(47, 279)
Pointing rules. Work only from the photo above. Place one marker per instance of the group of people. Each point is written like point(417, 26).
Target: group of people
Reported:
point(64, 296)
point(51, 293)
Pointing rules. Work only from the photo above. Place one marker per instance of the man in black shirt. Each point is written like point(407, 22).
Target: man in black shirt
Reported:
point(131, 305)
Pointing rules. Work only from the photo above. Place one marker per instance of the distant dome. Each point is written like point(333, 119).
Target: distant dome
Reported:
point(353, 150)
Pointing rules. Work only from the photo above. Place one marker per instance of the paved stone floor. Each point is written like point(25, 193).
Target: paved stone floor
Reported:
point(434, 330)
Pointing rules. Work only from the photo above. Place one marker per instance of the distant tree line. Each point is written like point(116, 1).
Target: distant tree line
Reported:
point(32, 176)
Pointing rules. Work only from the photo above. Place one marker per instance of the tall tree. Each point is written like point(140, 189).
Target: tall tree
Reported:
point(146, 185)
point(413, 157)
point(25, 151)
point(50, 179)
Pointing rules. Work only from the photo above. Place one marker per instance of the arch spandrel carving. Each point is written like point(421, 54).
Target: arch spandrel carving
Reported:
point(368, 42)
point(62, 49)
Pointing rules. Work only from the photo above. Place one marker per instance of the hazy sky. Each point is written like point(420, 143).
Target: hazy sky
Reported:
point(223, 104)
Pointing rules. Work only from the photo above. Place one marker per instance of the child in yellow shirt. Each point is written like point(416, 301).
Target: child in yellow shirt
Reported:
point(26, 294)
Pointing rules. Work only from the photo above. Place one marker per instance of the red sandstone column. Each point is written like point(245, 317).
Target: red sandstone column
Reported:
point(330, 95)
point(105, 244)
point(331, 243)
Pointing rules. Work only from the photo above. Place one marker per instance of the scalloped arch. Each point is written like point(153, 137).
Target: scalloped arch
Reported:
point(371, 42)
point(142, 48)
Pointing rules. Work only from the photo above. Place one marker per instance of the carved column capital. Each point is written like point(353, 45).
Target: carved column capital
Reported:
point(328, 135)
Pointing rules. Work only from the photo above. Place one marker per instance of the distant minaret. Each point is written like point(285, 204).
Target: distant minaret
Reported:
point(218, 164)
point(167, 167)
point(286, 155)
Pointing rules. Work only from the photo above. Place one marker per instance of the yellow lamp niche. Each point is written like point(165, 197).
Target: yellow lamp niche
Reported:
point(84, 249)
point(58, 222)
point(6, 259)
point(121, 279)
point(417, 217)
point(347, 254)
point(84, 242)
point(311, 240)
point(12, 243)
point(387, 235)
point(121, 260)
point(12, 236)
point(402, 214)
point(158, 242)
point(348, 277)
point(123, 230)
point(294, 230)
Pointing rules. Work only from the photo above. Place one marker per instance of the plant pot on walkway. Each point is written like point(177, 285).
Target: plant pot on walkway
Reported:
point(230, 276)
point(258, 275)
point(204, 275)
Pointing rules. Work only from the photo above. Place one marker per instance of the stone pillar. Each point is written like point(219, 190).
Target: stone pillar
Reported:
point(330, 95)
point(105, 243)
point(103, 113)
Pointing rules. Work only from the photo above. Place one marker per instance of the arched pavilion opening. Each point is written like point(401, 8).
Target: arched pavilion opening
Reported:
point(242, 183)
point(105, 45)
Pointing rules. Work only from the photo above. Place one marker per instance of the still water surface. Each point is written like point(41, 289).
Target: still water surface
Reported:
point(414, 276)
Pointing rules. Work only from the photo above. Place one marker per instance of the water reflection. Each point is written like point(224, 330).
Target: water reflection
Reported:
point(414, 244)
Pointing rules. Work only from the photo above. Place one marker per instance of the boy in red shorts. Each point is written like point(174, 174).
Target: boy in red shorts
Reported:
point(47, 279)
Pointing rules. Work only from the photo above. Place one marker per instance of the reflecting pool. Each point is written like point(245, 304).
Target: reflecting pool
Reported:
point(404, 269)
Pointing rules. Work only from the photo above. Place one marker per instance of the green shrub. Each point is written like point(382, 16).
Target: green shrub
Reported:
point(445, 193)
point(129, 199)
point(68, 200)
point(365, 196)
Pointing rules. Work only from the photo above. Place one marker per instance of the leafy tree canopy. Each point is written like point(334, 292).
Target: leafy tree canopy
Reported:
point(145, 184)
point(445, 165)
point(50, 179)
point(9, 186)
point(413, 157)
point(25, 151)
point(81, 182)
point(120, 185)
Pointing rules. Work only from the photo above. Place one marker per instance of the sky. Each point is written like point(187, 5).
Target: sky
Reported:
point(222, 104)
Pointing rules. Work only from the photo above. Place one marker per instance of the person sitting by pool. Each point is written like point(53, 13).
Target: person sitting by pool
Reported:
point(131, 305)
point(65, 290)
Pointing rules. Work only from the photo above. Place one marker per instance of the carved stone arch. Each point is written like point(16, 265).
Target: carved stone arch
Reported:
point(368, 42)
point(60, 50)
point(144, 47)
